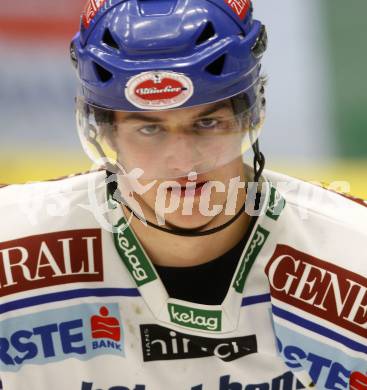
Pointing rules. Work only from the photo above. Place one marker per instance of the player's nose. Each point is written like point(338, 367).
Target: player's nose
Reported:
point(183, 153)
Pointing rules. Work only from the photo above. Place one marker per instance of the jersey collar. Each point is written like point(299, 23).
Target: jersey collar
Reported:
point(216, 319)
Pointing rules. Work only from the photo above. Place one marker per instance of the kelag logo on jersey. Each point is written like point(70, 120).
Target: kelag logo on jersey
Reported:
point(50, 259)
point(195, 318)
point(81, 332)
point(134, 258)
point(159, 343)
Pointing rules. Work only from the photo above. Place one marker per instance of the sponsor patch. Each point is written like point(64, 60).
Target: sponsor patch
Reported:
point(81, 332)
point(103, 326)
point(239, 7)
point(91, 10)
point(159, 343)
point(159, 90)
point(335, 375)
point(50, 259)
point(195, 318)
point(357, 381)
point(319, 288)
point(134, 258)
point(251, 254)
point(286, 381)
point(276, 204)
point(327, 366)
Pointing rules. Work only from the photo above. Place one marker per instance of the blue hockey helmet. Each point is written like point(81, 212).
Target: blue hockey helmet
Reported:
point(153, 55)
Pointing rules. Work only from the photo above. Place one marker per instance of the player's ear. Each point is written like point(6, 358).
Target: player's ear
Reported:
point(107, 126)
point(109, 136)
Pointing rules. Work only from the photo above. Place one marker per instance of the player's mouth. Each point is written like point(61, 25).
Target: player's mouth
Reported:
point(188, 188)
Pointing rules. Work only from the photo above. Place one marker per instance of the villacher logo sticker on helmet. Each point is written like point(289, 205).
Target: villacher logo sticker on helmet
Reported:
point(159, 90)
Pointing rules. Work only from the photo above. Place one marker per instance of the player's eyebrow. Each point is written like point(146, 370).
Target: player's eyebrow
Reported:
point(217, 106)
point(141, 117)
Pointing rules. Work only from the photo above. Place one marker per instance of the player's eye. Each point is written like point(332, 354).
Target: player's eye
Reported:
point(150, 130)
point(206, 123)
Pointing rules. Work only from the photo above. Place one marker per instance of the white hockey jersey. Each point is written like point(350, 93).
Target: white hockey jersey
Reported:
point(82, 308)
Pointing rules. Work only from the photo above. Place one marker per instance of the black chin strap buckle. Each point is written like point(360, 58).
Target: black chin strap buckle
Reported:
point(259, 161)
point(259, 164)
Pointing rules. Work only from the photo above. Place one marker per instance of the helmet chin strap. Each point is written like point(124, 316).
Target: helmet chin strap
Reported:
point(259, 161)
point(259, 164)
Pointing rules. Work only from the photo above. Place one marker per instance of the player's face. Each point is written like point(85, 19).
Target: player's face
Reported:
point(170, 139)
point(171, 144)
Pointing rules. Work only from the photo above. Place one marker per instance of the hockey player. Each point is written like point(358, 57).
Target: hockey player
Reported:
point(176, 266)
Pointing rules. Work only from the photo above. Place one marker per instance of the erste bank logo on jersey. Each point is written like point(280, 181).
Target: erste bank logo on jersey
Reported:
point(357, 381)
point(50, 259)
point(327, 367)
point(81, 332)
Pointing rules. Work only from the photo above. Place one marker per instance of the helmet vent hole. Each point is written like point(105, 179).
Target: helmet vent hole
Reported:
point(109, 40)
point(103, 74)
point(217, 66)
point(206, 34)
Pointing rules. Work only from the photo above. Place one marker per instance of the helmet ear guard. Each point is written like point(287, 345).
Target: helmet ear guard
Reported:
point(73, 55)
point(261, 43)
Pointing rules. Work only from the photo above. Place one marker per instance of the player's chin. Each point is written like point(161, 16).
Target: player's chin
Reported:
point(198, 214)
point(195, 220)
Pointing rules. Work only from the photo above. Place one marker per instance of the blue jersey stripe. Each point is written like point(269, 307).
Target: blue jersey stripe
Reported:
point(253, 300)
point(67, 295)
point(97, 292)
point(319, 329)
